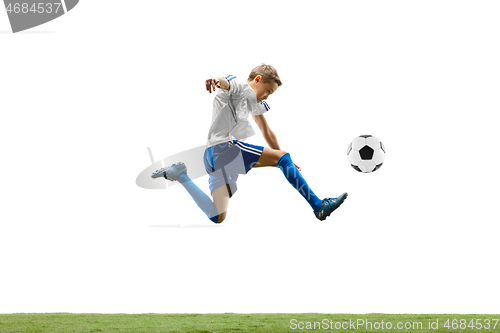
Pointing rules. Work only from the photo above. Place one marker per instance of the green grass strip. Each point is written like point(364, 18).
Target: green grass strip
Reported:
point(257, 322)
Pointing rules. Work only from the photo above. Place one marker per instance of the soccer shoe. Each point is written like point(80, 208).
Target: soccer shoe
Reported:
point(172, 172)
point(329, 205)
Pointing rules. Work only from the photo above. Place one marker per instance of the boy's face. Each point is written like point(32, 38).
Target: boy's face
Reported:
point(262, 89)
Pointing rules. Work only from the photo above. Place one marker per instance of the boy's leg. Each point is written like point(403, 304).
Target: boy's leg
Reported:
point(201, 199)
point(216, 211)
point(221, 201)
point(178, 172)
point(282, 160)
point(269, 157)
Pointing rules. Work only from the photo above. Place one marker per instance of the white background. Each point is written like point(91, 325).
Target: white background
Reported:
point(83, 96)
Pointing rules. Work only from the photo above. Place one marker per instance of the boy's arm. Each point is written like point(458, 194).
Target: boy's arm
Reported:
point(268, 134)
point(220, 82)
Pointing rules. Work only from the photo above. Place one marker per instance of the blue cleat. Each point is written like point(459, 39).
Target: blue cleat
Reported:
point(172, 172)
point(329, 205)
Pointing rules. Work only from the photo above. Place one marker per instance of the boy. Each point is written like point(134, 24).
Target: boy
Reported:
point(228, 156)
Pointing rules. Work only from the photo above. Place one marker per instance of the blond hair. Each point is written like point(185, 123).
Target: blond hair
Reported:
point(268, 73)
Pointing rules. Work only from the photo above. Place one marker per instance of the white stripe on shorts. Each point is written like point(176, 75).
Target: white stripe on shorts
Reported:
point(250, 151)
point(251, 148)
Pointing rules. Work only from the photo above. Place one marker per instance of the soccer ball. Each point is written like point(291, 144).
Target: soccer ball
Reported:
point(366, 153)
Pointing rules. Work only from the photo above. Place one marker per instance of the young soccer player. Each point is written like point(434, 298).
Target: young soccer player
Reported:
point(228, 156)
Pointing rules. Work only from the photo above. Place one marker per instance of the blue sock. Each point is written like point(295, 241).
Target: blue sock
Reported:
point(295, 178)
point(201, 199)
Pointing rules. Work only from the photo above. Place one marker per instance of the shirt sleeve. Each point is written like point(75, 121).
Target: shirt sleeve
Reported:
point(235, 86)
point(261, 108)
point(242, 89)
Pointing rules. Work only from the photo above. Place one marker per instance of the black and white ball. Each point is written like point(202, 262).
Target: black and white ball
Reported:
point(366, 153)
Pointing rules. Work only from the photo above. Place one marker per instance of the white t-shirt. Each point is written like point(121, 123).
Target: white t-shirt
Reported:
point(230, 113)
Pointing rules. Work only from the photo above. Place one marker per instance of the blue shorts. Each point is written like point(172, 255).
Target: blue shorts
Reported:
point(225, 161)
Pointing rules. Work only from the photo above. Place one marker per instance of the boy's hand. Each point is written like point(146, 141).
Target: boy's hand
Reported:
point(298, 167)
point(212, 84)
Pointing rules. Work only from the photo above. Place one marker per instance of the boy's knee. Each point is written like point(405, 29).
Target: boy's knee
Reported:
point(214, 219)
point(284, 159)
point(218, 218)
point(222, 217)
